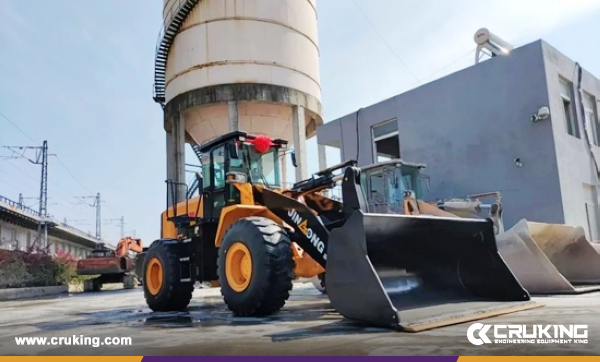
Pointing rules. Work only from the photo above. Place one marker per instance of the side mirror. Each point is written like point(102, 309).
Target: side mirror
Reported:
point(233, 150)
point(294, 162)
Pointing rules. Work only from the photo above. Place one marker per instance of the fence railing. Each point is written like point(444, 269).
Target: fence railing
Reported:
point(16, 206)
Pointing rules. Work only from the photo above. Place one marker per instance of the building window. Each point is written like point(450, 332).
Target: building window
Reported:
point(386, 144)
point(570, 119)
point(591, 118)
point(591, 211)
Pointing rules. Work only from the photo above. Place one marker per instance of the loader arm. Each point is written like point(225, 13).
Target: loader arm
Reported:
point(313, 218)
point(309, 232)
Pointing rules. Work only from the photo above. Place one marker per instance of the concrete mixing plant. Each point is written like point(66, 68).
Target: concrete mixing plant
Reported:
point(248, 65)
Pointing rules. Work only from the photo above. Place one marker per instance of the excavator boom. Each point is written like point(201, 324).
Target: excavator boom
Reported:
point(128, 244)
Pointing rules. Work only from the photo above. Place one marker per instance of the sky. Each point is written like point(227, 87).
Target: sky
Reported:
point(79, 74)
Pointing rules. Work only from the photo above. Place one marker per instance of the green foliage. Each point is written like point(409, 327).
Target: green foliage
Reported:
point(36, 268)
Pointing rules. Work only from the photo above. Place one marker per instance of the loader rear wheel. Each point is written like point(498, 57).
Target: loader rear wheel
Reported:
point(163, 289)
point(256, 267)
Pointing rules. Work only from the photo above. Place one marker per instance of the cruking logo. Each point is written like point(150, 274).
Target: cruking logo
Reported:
point(308, 232)
point(510, 333)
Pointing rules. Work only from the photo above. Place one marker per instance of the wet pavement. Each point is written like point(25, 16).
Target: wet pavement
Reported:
point(306, 326)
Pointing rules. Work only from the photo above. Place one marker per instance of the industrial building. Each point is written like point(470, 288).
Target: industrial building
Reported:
point(520, 123)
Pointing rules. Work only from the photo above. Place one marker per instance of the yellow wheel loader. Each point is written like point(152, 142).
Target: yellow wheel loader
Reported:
point(252, 237)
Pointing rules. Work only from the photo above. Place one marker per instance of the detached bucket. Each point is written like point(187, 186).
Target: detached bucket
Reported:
point(568, 249)
point(416, 273)
point(533, 268)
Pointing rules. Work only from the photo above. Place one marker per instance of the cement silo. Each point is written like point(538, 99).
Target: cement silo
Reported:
point(249, 65)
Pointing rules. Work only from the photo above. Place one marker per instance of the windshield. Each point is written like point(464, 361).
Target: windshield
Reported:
point(407, 180)
point(264, 167)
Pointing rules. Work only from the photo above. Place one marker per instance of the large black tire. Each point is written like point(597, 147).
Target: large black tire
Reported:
point(128, 281)
point(319, 283)
point(272, 267)
point(96, 285)
point(174, 295)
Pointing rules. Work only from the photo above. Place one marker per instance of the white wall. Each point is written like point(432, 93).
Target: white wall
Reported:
point(577, 172)
point(14, 237)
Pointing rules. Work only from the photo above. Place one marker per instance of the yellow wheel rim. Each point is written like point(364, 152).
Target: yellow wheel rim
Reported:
point(154, 276)
point(238, 267)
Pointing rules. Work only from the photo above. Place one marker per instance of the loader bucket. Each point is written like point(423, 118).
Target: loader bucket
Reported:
point(530, 265)
point(415, 273)
point(568, 249)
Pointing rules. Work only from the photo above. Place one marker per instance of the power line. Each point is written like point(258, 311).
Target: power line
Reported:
point(57, 158)
point(385, 42)
point(62, 164)
point(63, 196)
point(445, 66)
point(75, 178)
point(17, 127)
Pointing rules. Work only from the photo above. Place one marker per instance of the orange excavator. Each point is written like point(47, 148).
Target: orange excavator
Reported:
point(111, 266)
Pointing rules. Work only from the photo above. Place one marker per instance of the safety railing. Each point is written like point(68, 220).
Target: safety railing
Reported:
point(174, 15)
point(17, 206)
point(14, 205)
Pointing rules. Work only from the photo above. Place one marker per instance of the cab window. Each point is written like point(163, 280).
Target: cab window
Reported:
point(218, 155)
point(206, 170)
point(377, 187)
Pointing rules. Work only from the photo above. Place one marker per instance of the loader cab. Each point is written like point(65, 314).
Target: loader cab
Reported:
point(385, 185)
point(238, 157)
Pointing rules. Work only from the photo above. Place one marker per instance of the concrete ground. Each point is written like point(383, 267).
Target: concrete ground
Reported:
point(306, 326)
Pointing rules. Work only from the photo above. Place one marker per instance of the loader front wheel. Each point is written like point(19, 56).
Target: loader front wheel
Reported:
point(319, 283)
point(256, 267)
point(163, 289)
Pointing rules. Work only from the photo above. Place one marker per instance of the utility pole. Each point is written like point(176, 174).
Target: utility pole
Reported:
point(119, 222)
point(122, 224)
point(41, 158)
point(98, 205)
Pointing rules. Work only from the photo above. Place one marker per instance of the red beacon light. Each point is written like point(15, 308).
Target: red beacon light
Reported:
point(262, 143)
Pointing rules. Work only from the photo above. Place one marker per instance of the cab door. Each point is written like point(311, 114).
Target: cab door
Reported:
point(219, 193)
point(213, 194)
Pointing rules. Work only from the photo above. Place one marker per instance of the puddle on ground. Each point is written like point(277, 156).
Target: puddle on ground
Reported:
point(332, 329)
point(198, 314)
point(212, 312)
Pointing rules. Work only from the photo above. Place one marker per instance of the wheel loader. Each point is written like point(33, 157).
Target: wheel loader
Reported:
point(545, 258)
point(252, 237)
